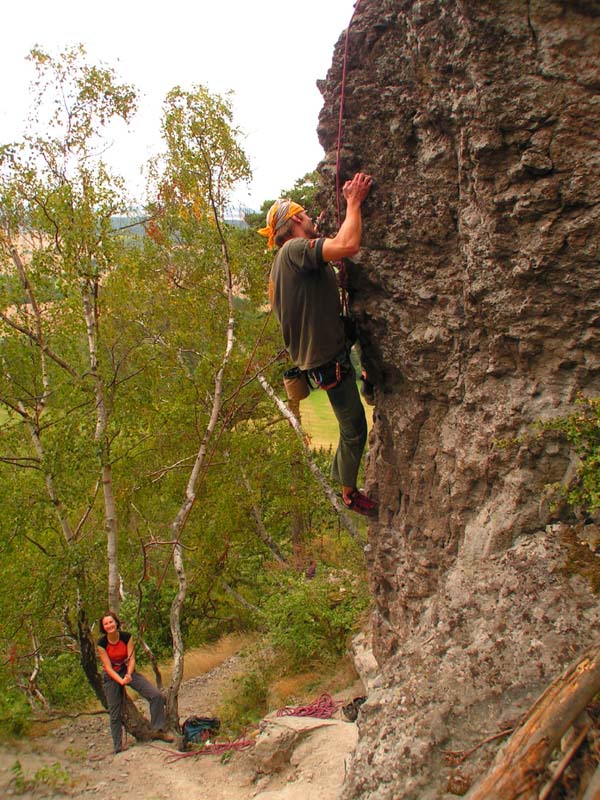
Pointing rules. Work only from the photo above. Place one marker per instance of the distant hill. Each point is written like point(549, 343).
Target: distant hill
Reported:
point(135, 223)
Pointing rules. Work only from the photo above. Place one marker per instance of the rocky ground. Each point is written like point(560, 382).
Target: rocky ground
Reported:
point(293, 759)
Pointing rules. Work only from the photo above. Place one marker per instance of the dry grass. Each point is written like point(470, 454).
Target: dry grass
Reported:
point(292, 689)
point(307, 686)
point(201, 660)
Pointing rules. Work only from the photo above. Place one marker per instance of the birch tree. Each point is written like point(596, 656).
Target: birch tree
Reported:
point(202, 163)
point(56, 238)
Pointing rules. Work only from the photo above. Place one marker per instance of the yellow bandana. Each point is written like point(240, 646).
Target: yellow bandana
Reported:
point(280, 212)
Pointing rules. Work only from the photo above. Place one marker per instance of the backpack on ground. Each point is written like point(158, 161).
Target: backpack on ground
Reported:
point(199, 729)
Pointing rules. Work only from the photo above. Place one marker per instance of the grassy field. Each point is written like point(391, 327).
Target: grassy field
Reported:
point(319, 421)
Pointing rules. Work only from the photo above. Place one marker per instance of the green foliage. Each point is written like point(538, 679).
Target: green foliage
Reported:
point(15, 712)
point(53, 776)
point(304, 191)
point(204, 158)
point(248, 700)
point(311, 620)
point(62, 682)
point(18, 777)
point(582, 430)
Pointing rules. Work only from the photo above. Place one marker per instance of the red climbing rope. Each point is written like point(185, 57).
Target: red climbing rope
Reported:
point(210, 749)
point(342, 278)
point(324, 707)
point(341, 118)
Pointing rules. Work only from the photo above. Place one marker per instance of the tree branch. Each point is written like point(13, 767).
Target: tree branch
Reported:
point(519, 766)
point(42, 345)
point(330, 494)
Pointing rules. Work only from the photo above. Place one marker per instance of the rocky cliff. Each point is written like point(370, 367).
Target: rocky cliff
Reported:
point(477, 297)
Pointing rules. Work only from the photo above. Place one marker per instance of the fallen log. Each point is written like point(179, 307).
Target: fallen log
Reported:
point(593, 790)
point(519, 767)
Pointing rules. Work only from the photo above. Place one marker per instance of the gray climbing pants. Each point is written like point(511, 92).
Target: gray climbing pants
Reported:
point(348, 408)
point(114, 698)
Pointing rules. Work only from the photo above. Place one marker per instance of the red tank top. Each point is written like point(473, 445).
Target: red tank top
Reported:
point(117, 652)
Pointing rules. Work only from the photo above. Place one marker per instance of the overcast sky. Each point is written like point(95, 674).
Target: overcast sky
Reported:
point(269, 52)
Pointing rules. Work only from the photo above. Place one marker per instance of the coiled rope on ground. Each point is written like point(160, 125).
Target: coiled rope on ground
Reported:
point(324, 707)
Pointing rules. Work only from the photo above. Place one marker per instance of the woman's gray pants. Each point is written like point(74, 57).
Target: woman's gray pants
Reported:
point(114, 698)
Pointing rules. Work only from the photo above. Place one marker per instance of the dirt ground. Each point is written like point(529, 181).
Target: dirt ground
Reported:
point(76, 760)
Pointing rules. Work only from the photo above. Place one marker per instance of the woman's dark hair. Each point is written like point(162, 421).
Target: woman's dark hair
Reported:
point(114, 616)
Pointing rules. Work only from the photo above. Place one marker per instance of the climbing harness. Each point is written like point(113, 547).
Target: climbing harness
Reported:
point(327, 376)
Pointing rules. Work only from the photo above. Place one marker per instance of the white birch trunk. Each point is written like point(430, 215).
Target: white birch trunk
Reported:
point(110, 507)
point(190, 498)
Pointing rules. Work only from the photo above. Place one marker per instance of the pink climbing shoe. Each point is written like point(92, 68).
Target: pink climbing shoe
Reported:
point(360, 503)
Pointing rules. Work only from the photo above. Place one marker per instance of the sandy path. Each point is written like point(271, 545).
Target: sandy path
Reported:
point(82, 748)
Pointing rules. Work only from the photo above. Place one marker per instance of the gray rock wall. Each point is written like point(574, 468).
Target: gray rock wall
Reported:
point(477, 295)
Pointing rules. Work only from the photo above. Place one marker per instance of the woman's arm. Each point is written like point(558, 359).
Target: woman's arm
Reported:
point(108, 666)
point(130, 660)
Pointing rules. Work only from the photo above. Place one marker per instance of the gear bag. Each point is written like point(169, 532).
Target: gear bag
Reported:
point(198, 729)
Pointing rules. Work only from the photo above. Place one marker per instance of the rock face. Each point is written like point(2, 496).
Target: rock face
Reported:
point(478, 303)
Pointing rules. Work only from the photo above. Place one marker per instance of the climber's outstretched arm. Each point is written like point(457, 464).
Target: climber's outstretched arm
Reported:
point(347, 240)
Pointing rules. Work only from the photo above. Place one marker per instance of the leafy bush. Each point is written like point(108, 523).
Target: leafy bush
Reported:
point(311, 620)
point(15, 713)
point(248, 701)
point(63, 683)
point(582, 430)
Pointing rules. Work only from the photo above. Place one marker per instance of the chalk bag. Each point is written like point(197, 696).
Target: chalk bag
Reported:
point(296, 384)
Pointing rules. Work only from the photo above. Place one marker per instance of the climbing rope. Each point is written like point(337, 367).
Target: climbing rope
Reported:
point(342, 276)
point(341, 117)
point(324, 707)
point(210, 749)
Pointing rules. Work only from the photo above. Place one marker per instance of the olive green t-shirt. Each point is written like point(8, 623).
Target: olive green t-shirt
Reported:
point(305, 300)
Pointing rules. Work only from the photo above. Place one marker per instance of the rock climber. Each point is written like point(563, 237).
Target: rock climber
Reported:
point(304, 296)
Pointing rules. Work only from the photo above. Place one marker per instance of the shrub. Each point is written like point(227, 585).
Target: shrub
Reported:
point(311, 620)
point(582, 430)
point(15, 713)
point(63, 683)
point(248, 700)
